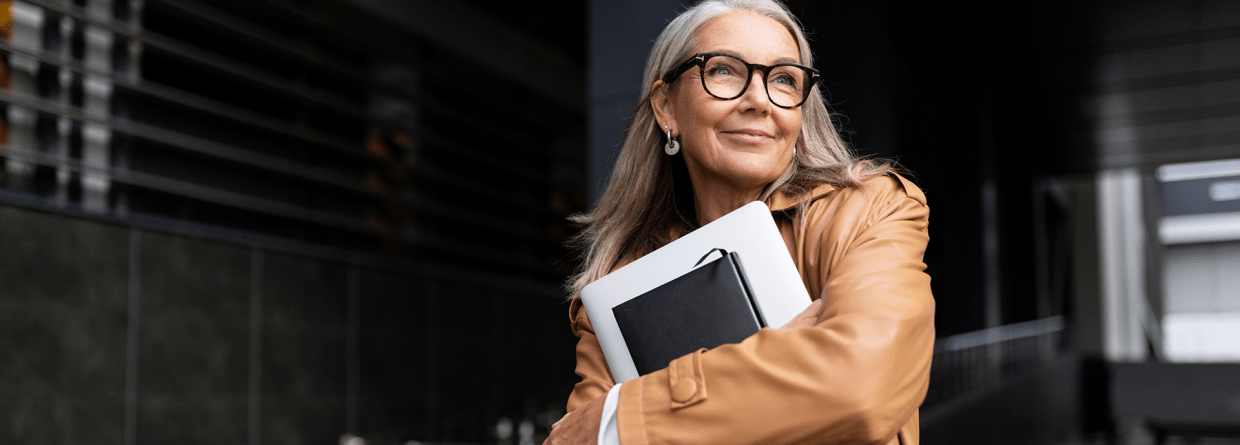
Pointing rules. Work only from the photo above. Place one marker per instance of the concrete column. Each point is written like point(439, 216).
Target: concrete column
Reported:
point(27, 35)
point(97, 103)
point(1125, 309)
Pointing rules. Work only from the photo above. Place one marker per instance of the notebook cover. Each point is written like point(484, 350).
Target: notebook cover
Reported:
point(707, 307)
point(750, 231)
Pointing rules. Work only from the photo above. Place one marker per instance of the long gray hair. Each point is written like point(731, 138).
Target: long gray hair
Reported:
point(648, 201)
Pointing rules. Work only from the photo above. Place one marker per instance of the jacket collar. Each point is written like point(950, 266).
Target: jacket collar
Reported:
point(780, 201)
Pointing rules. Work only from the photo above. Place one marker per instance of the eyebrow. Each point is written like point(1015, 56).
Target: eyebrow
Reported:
point(733, 54)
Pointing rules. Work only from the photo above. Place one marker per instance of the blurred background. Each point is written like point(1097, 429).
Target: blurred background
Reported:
point(342, 221)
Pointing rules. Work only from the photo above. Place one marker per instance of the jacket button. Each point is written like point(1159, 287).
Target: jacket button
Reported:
point(684, 390)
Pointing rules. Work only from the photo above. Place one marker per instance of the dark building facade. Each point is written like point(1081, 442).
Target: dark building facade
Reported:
point(286, 221)
point(283, 221)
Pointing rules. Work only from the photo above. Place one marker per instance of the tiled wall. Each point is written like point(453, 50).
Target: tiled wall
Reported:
point(63, 321)
point(117, 335)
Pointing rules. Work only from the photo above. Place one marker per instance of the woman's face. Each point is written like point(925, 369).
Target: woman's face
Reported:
point(741, 144)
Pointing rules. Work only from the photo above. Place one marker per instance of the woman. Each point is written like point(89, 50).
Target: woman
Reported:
point(731, 115)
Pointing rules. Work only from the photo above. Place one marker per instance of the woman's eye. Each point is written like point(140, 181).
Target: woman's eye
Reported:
point(721, 71)
point(783, 79)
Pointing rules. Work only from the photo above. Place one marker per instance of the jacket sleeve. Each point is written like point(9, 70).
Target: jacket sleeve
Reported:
point(857, 377)
point(591, 365)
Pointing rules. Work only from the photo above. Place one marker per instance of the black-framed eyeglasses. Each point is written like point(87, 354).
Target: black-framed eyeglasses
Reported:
point(726, 76)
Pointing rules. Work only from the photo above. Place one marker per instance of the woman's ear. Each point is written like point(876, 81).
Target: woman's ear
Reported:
point(661, 104)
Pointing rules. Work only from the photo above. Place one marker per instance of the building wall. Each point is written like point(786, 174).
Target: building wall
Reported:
point(271, 222)
point(129, 335)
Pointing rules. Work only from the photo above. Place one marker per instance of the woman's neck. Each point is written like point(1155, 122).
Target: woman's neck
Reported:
point(714, 202)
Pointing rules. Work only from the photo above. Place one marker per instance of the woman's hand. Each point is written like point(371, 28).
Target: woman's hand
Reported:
point(807, 317)
point(580, 426)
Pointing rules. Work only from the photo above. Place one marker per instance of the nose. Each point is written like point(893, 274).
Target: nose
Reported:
point(755, 97)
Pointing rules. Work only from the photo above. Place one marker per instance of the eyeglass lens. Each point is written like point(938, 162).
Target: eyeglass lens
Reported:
point(726, 77)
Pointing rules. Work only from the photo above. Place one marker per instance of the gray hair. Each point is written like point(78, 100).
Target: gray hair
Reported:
point(648, 200)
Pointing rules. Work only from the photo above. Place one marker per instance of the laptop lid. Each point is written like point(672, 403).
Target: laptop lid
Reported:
point(750, 231)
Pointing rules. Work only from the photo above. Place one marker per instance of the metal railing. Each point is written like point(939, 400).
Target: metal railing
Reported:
point(975, 361)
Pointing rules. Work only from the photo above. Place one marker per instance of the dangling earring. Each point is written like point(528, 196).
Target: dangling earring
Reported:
point(672, 147)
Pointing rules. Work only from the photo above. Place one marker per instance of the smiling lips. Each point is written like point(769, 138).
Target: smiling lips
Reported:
point(751, 135)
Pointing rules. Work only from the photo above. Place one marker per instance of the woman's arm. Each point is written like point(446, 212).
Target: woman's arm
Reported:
point(584, 426)
point(591, 365)
point(858, 376)
point(585, 403)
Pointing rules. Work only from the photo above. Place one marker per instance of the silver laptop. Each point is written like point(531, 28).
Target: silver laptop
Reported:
point(749, 231)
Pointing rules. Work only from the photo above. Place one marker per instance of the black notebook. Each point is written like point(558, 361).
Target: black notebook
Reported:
point(769, 276)
point(709, 306)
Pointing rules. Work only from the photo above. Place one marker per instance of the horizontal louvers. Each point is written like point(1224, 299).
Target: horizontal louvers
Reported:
point(272, 118)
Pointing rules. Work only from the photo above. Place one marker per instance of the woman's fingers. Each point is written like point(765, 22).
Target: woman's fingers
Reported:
point(557, 423)
point(581, 429)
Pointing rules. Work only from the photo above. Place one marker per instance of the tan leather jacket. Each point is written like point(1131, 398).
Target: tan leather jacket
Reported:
point(857, 377)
